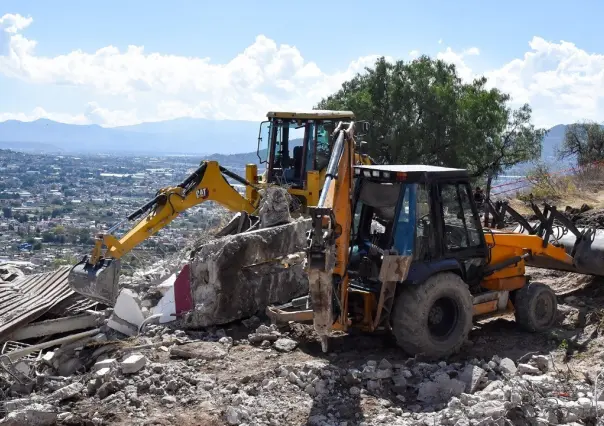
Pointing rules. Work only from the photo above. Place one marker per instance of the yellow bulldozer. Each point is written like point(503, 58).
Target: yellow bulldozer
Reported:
point(295, 147)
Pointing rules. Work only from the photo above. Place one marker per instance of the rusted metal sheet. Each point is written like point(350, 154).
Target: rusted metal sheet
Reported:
point(29, 297)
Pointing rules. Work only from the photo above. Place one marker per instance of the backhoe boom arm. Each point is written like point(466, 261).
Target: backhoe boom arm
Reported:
point(207, 183)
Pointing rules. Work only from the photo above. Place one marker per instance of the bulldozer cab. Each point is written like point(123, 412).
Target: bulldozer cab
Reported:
point(292, 144)
point(424, 212)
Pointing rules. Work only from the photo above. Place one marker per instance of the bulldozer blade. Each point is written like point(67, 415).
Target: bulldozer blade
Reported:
point(98, 282)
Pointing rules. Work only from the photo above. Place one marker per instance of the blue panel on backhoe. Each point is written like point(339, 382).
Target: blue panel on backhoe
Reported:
point(404, 231)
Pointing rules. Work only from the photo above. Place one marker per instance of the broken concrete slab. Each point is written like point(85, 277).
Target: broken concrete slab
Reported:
point(32, 415)
point(133, 363)
point(110, 363)
point(59, 325)
point(127, 314)
point(67, 392)
point(201, 350)
point(239, 275)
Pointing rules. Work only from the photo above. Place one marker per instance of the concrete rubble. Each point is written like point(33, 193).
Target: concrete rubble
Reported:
point(140, 383)
point(237, 276)
point(151, 360)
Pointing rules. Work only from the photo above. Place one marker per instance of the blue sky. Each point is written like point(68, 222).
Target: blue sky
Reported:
point(561, 81)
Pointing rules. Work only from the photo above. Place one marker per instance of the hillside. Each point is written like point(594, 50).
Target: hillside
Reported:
point(191, 136)
point(179, 136)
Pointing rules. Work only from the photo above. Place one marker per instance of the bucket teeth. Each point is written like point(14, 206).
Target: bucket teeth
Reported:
point(98, 282)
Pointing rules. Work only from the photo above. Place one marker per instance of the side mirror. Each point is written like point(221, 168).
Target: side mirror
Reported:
point(363, 126)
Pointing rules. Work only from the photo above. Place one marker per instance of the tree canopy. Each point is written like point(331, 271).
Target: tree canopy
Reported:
point(422, 112)
point(583, 141)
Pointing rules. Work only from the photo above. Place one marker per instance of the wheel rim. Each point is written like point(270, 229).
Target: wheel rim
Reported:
point(442, 318)
point(544, 306)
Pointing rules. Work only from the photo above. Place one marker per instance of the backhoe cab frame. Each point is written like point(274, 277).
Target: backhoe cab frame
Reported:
point(296, 148)
point(420, 265)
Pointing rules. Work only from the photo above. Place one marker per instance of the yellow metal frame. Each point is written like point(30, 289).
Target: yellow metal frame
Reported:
point(212, 187)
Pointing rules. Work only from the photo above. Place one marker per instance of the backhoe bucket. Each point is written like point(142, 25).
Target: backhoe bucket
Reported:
point(587, 254)
point(98, 282)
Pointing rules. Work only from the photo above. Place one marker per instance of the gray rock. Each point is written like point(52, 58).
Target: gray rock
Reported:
point(508, 366)
point(441, 389)
point(310, 389)
point(541, 361)
point(168, 400)
point(385, 364)
point(472, 377)
point(383, 373)
point(235, 416)
point(285, 345)
point(257, 338)
point(226, 340)
point(527, 369)
point(110, 363)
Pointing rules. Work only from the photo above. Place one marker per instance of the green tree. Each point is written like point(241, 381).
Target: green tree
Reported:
point(583, 141)
point(7, 212)
point(422, 112)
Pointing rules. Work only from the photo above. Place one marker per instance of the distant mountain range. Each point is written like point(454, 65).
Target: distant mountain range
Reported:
point(224, 140)
point(180, 136)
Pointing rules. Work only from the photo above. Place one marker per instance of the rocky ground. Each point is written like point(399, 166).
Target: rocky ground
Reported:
point(252, 373)
point(255, 374)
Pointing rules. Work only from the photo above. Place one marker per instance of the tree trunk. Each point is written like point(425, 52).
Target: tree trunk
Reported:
point(487, 198)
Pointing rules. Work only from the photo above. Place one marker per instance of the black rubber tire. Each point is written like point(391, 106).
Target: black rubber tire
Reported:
point(536, 307)
point(413, 305)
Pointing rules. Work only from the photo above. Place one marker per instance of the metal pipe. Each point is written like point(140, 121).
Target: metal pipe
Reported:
point(334, 162)
point(20, 353)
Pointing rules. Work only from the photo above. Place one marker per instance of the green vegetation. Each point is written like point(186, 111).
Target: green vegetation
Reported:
point(583, 141)
point(421, 112)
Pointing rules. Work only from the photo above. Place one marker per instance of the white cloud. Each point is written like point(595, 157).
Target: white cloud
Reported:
point(457, 59)
point(14, 23)
point(264, 76)
point(40, 112)
point(561, 81)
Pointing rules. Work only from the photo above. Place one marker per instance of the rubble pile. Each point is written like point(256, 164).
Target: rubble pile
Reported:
point(169, 370)
point(139, 363)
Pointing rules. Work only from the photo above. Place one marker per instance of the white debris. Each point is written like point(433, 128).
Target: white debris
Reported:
point(110, 363)
point(127, 314)
point(167, 304)
point(133, 363)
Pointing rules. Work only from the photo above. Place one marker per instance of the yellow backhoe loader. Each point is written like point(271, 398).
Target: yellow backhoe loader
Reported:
point(401, 248)
point(294, 146)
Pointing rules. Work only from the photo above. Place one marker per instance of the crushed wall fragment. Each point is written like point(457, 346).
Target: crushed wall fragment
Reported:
point(236, 276)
